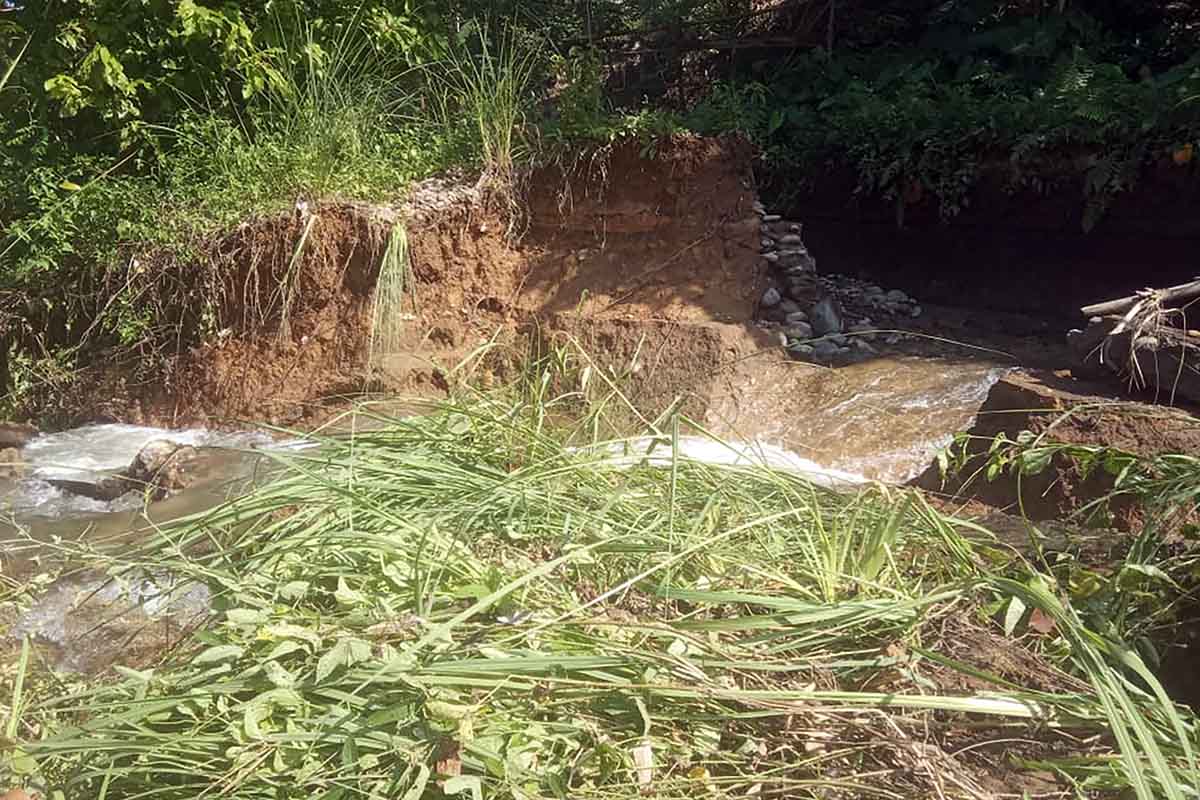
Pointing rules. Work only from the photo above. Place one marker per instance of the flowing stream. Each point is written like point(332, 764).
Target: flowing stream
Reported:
point(881, 420)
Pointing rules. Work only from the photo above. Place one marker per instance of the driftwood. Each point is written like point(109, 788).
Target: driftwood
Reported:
point(1173, 294)
point(1144, 341)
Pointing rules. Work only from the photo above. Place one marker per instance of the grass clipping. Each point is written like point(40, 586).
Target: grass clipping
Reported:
point(474, 603)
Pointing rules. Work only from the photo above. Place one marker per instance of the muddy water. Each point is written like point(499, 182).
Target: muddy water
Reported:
point(90, 453)
point(881, 420)
point(884, 419)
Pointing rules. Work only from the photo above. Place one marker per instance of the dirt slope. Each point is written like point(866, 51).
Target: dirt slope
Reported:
point(636, 244)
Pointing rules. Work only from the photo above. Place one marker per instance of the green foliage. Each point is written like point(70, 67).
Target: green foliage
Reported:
point(486, 81)
point(311, 108)
point(580, 103)
point(1032, 99)
point(1142, 599)
point(520, 609)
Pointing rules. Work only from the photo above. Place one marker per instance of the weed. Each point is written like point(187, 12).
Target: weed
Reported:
point(491, 598)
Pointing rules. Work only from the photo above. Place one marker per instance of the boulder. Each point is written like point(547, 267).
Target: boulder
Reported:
point(16, 434)
point(826, 316)
point(160, 468)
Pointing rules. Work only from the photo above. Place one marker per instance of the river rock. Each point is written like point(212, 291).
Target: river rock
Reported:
point(797, 261)
point(792, 239)
point(90, 621)
point(758, 207)
point(915, 312)
point(768, 243)
point(771, 298)
point(16, 434)
point(826, 316)
point(825, 349)
point(160, 468)
point(897, 296)
point(799, 330)
point(105, 489)
point(789, 306)
point(796, 316)
point(771, 218)
point(11, 464)
point(800, 288)
point(800, 349)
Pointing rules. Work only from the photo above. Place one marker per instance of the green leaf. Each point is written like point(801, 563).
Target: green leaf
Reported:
point(347, 596)
point(344, 653)
point(294, 590)
point(1014, 615)
point(221, 652)
point(245, 616)
point(464, 783)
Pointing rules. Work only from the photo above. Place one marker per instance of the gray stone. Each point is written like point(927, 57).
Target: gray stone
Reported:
point(825, 349)
point(771, 297)
point(758, 207)
point(865, 346)
point(798, 289)
point(771, 258)
point(781, 337)
point(800, 349)
point(838, 339)
point(788, 307)
point(897, 296)
point(915, 312)
point(768, 243)
point(895, 338)
point(791, 239)
point(826, 316)
point(766, 229)
point(859, 327)
point(795, 228)
point(771, 218)
point(799, 260)
point(796, 316)
point(799, 330)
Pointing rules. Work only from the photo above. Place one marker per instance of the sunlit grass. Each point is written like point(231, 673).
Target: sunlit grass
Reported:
point(475, 599)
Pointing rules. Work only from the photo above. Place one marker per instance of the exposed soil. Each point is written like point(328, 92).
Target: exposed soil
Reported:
point(1073, 412)
point(663, 247)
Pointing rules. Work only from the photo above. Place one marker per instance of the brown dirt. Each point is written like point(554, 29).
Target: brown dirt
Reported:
point(1069, 411)
point(619, 247)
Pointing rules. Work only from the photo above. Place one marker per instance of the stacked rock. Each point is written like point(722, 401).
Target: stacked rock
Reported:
point(822, 318)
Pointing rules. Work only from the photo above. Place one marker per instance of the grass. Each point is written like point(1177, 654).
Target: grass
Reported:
point(394, 285)
point(478, 602)
point(483, 94)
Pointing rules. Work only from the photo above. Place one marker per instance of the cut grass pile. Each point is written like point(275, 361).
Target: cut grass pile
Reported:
point(476, 603)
